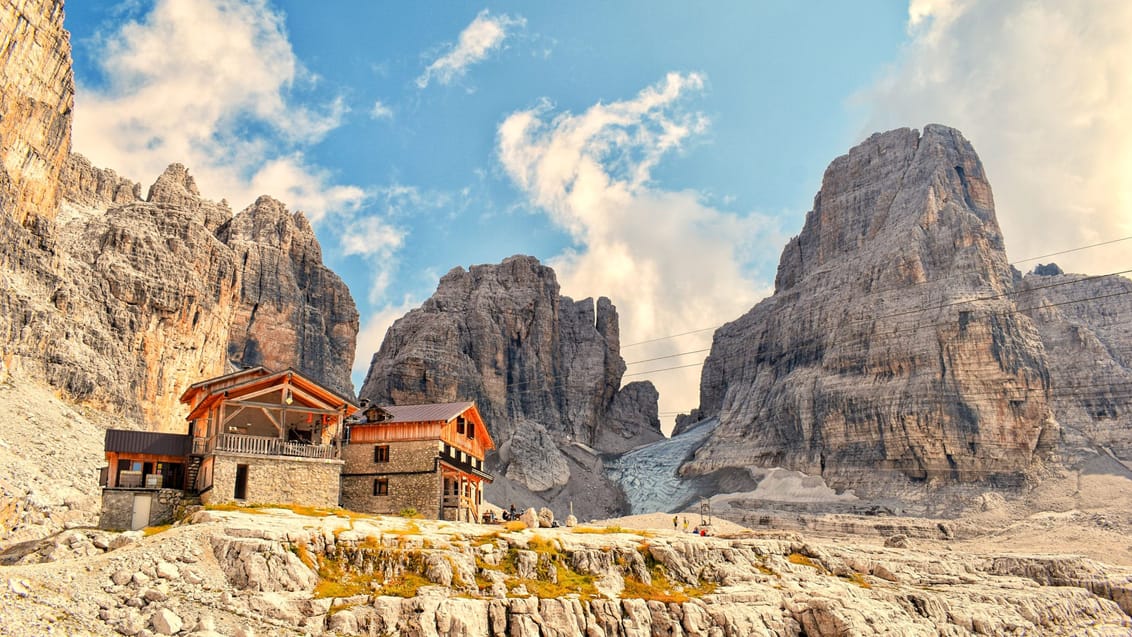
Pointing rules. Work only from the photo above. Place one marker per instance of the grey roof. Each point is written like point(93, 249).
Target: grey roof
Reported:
point(122, 440)
point(425, 413)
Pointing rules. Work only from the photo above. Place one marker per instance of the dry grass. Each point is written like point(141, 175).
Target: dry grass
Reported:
point(804, 560)
point(858, 579)
point(404, 585)
point(154, 530)
point(515, 525)
point(602, 530)
point(663, 590)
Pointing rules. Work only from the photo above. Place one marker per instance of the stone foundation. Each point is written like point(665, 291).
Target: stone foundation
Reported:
point(276, 480)
point(118, 507)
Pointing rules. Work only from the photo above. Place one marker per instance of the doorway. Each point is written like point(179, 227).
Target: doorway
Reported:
point(142, 502)
point(241, 492)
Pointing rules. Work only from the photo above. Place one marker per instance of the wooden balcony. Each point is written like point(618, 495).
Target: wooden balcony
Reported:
point(262, 446)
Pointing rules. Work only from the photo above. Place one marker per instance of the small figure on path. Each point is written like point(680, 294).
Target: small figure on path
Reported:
point(685, 524)
point(675, 519)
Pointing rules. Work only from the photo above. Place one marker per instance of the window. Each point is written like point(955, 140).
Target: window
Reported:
point(381, 486)
point(381, 453)
point(471, 431)
point(460, 425)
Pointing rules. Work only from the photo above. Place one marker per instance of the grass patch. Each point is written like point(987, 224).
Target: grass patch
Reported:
point(602, 530)
point(490, 538)
point(515, 525)
point(569, 583)
point(303, 552)
point(857, 579)
point(411, 528)
point(297, 509)
point(404, 585)
point(804, 560)
point(542, 545)
point(663, 590)
point(154, 530)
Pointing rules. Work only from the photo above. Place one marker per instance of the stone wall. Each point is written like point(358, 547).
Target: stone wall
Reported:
point(118, 507)
point(414, 481)
point(273, 479)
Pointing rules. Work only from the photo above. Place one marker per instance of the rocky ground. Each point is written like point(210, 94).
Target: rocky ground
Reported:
point(1055, 560)
point(278, 572)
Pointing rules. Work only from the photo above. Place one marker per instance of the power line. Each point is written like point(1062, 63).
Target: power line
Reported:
point(1054, 254)
point(881, 291)
point(929, 308)
point(648, 360)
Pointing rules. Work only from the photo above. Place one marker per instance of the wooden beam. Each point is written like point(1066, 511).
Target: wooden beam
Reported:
point(295, 391)
point(267, 413)
point(230, 416)
point(298, 408)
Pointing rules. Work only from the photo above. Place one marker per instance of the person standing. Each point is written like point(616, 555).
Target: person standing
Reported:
point(685, 524)
point(675, 520)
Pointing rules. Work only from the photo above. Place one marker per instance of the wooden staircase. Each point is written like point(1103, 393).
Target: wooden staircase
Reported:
point(191, 473)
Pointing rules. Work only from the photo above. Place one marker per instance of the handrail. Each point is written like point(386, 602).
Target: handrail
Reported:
point(268, 446)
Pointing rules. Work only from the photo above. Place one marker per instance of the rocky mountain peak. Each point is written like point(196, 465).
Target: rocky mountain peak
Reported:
point(174, 186)
point(890, 349)
point(544, 370)
point(121, 302)
point(936, 179)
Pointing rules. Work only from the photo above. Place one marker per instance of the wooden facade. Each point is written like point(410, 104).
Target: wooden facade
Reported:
point(274, 435)
point(423, 457)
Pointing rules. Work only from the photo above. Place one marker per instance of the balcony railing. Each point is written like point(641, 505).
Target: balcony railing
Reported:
point(262, 446)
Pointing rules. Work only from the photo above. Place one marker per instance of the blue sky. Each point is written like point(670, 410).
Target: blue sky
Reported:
point(658, 153)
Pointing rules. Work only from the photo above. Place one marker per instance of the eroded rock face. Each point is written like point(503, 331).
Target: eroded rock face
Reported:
point(502, 335)
point(293, 311)
point(36, 101)
point(891, 348)
point(1083, 322)
point(119, 302)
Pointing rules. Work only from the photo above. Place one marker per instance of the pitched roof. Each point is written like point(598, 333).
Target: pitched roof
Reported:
point(287, 376)
point(125, 441)
point(425, 413)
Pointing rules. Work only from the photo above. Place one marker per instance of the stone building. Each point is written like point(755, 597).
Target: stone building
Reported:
point(428, 458)
point(254, 436)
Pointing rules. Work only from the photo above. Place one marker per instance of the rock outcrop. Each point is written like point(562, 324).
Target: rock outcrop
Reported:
point(36, 101)
point(892, 350)
point(293, 310)
point(262, 572)
point(540, 366)
point(121, 302)
point(1083, 322)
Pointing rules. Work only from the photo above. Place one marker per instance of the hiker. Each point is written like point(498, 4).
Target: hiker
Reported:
point(513, 517)
point(685, 525)
point(675, 519)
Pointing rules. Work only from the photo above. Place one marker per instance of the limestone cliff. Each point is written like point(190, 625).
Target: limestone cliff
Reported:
point(1083, 322)
point(293, 310)
point(122, 302)
point(545, 372)
point(892, 348)
point(35, 108)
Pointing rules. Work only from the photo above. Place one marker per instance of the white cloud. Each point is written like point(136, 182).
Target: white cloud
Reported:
point(481, 37)
point(380, 111)
point(372, 334)
point(377, 239)
point(1043, 90)
point(188, 82)
point(669, 262)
